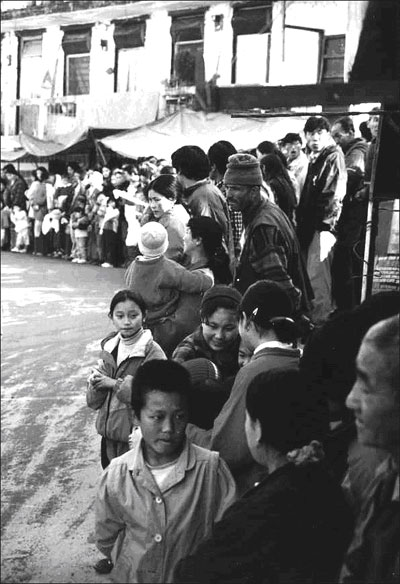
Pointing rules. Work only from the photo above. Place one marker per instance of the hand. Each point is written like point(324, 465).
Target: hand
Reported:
point(100, 381)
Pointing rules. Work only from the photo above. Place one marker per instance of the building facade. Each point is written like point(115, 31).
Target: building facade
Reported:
point(120, 64)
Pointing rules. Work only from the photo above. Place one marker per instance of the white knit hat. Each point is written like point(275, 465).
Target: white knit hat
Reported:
point(153, 240)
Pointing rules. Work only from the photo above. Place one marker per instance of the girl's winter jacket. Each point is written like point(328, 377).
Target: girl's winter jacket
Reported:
point(115, 416)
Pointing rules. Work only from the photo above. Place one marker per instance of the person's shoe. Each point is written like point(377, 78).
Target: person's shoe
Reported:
point(106, 265)
point(75, 260)
point(15, 249)
point(81, 261)
point(103, 566)
point(23, 251)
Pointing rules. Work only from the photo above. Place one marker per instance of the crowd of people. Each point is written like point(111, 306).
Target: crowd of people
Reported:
point(247, 402)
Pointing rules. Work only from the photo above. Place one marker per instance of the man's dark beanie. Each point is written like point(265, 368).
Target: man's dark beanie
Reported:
point(243, 169)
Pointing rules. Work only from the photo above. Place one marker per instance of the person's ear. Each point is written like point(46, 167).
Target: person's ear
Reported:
point(136, 420)
point(257, 431)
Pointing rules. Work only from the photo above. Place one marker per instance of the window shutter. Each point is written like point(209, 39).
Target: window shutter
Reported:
point(130, 34)
point(252, 19)
point(76, 42)
point(187, 27)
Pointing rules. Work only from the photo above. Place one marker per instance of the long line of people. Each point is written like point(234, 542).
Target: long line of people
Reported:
point(228, 451)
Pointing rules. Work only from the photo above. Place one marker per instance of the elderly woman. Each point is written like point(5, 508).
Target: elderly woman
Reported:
point(291, 527)
point(162, 195)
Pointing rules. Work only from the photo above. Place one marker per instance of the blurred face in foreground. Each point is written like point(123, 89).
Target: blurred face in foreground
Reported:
point(374, 400)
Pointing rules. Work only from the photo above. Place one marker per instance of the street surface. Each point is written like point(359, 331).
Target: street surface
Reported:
point(54, 314)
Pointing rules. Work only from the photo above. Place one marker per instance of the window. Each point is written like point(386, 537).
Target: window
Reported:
point(187, 32)
point(31, 74)
point(76, 45)
point(251, 43)
point(333, 59)
point(129, 37)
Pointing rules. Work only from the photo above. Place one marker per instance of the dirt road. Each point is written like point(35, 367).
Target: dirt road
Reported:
point(53, 315)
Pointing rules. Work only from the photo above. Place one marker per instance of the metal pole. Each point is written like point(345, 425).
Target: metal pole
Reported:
point(286, 114)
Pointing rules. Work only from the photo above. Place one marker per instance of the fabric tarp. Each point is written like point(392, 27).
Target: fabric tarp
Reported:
point(187, 127)
point(22, 146)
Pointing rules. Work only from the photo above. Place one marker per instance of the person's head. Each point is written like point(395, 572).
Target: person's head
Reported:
point(65, 180)
point(291, 146)
point(111, 202)
point(218, 155)
point(343, 131)
point(16, 208)
point(245, 353)
point(153, 240)
point(365, 131)
point(329, 355)
point(272, 167)
point(202, 232)
point(106, 172)
point(266, 313)
point(374, 398)
point(167, 169)
point(373, 122)
point(219, 313)
point(160, 401)
point(73, 168)
point(242, 181)
point(9, 172)
point(317, 133)
point(281, 414)
point(118, 177)
point(42, 173)
point(127, 312)
point(162, 194)
point(191, 164)
point(267, 147)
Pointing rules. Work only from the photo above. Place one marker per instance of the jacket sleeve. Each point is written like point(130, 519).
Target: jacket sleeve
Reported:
point(95, 398)
point(184, 351)
point(182, 279)
point(333, 181)
point(109, 522)
point(268, 259)
point(226, 492)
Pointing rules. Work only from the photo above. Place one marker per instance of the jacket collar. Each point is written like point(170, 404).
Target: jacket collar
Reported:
point(138, 349)
point(190, 190)
point(252, 210)
point(137, 466)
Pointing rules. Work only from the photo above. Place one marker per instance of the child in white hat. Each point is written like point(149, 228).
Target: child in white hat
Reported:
point(159, 281)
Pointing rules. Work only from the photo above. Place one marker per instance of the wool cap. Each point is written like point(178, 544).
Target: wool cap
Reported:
point(153, 240)
point(243, 169)
point(220, 291)
point(201, 370)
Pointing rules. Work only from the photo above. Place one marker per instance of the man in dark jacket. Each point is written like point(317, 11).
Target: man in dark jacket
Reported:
point(16, 187)
point(270, 250)
point(318, 211)
point(348, 251)
point(200, 195)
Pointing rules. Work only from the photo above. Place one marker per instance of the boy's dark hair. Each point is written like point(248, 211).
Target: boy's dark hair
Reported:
point(290, 415)
point(159, 375)
point(290, 138)
point(192, 162)
point(317, 123)
point(219, 296)
point(10, 169)
point(365, 131)
point(219, 153)
point(210, 233)
point(347, 124)
point(122, 296)
point(270, 307)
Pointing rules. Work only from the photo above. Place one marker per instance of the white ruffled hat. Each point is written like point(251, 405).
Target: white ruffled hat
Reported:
point(153, 240)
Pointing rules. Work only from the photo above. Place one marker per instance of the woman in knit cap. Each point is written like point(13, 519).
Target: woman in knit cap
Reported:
point(292, 526)
point(217, 337)
point(266, 326)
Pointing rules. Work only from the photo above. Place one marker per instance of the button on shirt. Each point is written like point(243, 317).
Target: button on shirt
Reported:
point(159, 526)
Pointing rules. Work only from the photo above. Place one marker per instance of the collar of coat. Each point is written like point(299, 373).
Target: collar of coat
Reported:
point(190, 190)
point(138, 349)
point(140, 471)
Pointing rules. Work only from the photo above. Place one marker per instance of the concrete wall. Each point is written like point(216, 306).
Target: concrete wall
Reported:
point(292, 58)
